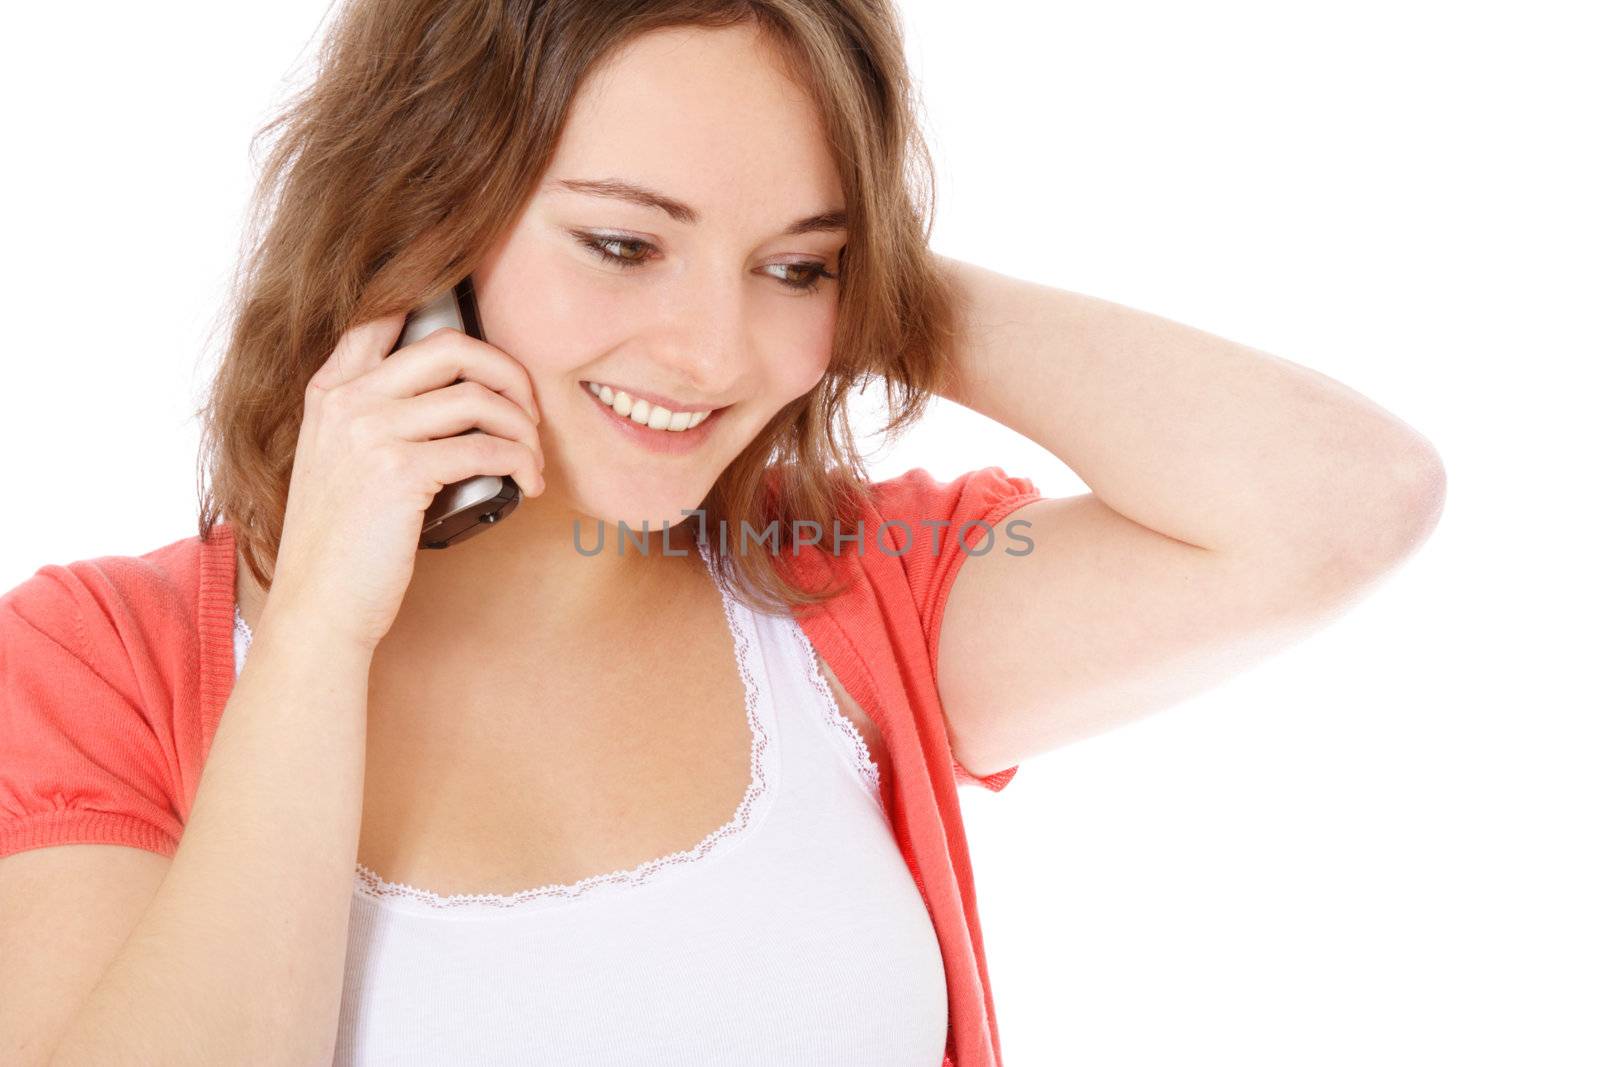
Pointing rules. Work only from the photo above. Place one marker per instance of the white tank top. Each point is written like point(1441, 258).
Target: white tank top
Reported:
point(792, 934)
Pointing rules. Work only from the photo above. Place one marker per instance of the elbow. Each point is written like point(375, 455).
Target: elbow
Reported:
point(1413, 493)
point(1398, 509)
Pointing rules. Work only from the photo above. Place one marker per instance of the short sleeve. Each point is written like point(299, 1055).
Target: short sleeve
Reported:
point(939, 518)
point(81, 760)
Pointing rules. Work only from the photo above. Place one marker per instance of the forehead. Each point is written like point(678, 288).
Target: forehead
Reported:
point(707, 116)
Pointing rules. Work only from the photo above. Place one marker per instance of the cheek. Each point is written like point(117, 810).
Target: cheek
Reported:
point(800, 370)
point(543, 315)
point(803, 354)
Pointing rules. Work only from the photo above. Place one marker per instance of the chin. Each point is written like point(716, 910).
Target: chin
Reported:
point(621, 505)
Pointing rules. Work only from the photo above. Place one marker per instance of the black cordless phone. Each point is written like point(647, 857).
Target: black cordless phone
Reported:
point(464, 508)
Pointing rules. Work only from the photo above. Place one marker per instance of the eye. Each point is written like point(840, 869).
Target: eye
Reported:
point(600, 246)
point(813, 280)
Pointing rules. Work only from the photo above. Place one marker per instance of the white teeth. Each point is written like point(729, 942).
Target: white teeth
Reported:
point(645, 413)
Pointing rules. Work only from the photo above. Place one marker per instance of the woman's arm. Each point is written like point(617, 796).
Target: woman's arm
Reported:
point(1236, 498)
point(240, 956)
point(1204, 440)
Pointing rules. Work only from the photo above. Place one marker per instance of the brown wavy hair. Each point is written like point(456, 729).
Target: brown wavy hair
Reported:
point(426, 127)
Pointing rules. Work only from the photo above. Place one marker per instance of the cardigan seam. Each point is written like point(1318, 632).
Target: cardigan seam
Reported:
point(993, 514)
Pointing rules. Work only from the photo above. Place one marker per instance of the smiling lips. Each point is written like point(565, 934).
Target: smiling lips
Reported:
point(645, 413)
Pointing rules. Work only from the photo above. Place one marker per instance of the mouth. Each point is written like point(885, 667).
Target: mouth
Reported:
point(656, 412)
point(652, 426)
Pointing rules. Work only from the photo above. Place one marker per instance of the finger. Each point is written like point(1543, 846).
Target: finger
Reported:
point(457, 408)
point(454, 459)
point(359, 349)
point(445, 356)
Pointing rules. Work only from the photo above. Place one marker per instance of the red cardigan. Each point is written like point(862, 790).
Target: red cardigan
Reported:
point(114, 672)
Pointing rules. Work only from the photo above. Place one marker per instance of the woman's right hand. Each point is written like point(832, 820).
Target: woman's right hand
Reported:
point(380, 436)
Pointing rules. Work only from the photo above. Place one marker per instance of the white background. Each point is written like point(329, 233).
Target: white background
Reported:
point(1378, 847)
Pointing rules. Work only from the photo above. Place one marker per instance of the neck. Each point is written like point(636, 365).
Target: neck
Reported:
point(544, 553)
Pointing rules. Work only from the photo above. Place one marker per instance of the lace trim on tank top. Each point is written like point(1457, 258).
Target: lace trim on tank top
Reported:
point(836, 718)
point(369, 883)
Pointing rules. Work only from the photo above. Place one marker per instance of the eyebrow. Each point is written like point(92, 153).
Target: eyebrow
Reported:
point(681, 212)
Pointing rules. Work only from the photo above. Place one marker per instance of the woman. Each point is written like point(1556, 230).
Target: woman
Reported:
point(528, 752)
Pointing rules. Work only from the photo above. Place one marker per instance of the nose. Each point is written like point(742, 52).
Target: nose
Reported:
point(704, 339)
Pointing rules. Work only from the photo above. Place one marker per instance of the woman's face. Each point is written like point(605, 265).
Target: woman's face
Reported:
point(718, 305)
